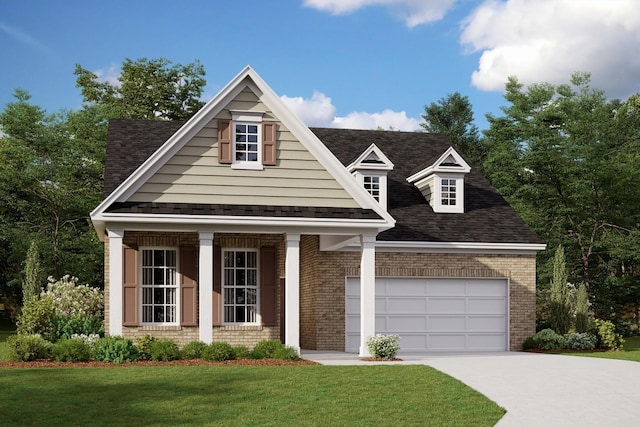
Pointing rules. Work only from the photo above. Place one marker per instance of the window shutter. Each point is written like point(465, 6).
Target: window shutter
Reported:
point(188, 286)
point(217, 286)
point(224, 141)
point(269, 144)
point(130, 283)
point(268, 286)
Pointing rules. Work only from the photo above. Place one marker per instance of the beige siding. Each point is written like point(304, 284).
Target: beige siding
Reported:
point(194, 175)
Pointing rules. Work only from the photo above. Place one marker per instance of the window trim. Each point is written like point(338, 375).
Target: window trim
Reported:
point(223, 287)
point(249, 118)
point(143, 286)
point(458, 207)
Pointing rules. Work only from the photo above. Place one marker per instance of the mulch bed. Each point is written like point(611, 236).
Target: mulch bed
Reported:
point(565, 350)
point(186, 362)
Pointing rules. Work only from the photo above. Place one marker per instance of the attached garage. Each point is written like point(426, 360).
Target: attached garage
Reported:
point(434, 314)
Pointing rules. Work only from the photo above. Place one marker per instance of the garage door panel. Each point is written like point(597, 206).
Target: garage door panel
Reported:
point(408, 287)
point(402, 324)
point(413, 342)
point(445, 287)
point(446, 305)
point(487, 324)
point(406, 305)
point(486, 305)
point(353, 306)
point(486, 342)
point(490, 288)
point(448, 342)
point(447, 324)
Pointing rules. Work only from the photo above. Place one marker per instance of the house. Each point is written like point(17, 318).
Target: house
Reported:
point(243, 224)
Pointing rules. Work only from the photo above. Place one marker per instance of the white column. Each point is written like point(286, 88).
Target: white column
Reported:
point(115, 281)
point(205, 284)
point(292, 292)
point(367, 291)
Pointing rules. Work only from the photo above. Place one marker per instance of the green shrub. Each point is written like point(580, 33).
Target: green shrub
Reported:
point(265, 349)
point(546, 339)
point(144, 346)
point(580, 341)
point(383, 346)
point(529, 343)
point(193, 350)
point(26, 348)
point(91, 340)
point(164, 350)
point(71, 350)
point(608, 338)
point(240, 351)
point(218, 351)
point(37, 318)
point(67, 326)
point(286, 353)
point(116, 349)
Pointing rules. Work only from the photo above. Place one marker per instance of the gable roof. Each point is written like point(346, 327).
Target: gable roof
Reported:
point(487, 217)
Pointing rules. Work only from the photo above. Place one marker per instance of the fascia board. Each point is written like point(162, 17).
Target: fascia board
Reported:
point(456, 247)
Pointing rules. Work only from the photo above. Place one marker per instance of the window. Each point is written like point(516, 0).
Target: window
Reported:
point(159, 286)
point(372, 185)
point(448, 192)
point(240, 286)
point(247, 140)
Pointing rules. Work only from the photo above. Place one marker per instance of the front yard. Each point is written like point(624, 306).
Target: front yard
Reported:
point(631, 351)
point(241, 395)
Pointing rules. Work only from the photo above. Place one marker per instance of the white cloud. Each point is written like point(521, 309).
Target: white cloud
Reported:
point(414, 12)
point(109, 75)
point(547, 40)
point(319, 111)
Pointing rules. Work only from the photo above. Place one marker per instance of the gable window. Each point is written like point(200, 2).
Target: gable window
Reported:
point(448, 192)
point(372, 185)
point(247, 139)
point(159, 286)
point(246, 142)
point(240, 286)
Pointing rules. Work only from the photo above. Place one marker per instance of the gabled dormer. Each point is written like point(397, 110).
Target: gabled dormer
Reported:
point(370, 170)
point(442, 183)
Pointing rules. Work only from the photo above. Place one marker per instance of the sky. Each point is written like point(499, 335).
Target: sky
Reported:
point(337, 63)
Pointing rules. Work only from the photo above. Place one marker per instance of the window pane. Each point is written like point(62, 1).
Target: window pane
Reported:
point(158, 314)
point(147, 258)
point(158, 276)
point(171, 258)
point(171, 296)
point(228, 295)
point(252, 259)
point(240, 296)
point(241, 279)
point(252, 296)
point(252, 129)
point(158, 258)
point(252, 278)
point(147, 276)
point(170, 277)
point(170, 314)
point(252, 314)
point(228, 277)
point(240, 156)
point(158, 296)
point(147, 295)
point(228, 259)
point(241, 128)
point(147, 314)
point(240, 259)
point(240, 314)
point(252, 157)
point(228, 314)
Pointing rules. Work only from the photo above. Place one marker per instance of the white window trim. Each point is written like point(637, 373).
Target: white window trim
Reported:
point(223, 286)
point(459, 182)
point(178, 280)
point(382, 175)
point(240, 117)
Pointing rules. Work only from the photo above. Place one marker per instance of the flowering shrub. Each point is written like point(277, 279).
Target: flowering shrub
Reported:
point(580, 341)
point(383, 346)
point(71, 299)
point(91, 340)
point(607, 336)
point(37, 318)
point(26, 348)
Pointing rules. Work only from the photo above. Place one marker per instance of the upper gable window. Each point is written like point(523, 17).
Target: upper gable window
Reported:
point(246, 142)
point(246, 138)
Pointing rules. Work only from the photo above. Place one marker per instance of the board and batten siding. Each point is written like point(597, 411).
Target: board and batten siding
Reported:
point(194, 175)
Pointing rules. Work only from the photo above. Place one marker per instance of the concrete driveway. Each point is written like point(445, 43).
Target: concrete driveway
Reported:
point(538, 389)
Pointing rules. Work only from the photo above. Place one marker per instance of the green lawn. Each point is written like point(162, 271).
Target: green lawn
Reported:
point(6, 329)
point(241, 395)
point(631, 351)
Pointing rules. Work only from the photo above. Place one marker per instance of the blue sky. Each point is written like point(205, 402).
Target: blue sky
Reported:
point(348, 63)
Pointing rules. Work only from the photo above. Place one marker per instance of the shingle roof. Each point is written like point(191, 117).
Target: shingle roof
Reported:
point(488, 218)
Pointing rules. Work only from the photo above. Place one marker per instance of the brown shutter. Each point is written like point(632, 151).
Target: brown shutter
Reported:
point(130, 283)
point(188, 286)
point(268, 286)
point(224, 141)
point(217, 286)
point(269, 144)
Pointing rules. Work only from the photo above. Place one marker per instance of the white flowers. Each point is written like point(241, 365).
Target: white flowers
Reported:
point(383, 346)
point(71, 299)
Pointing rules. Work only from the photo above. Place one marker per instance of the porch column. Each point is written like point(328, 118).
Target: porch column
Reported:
point(292, 292)
point(205, 284)
point(367, 291)
point(115, 281)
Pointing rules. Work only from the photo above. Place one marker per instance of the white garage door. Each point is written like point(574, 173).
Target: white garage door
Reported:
point(458, 315)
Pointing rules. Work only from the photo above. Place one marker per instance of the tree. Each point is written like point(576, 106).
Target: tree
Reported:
point(33, 274)
point(453, 117)
point(152, 89)
point(560, 305)
point(582, 309)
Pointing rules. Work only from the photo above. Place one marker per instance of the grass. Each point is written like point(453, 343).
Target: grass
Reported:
point(241, 395)
point(6, 329)
point(631, 351)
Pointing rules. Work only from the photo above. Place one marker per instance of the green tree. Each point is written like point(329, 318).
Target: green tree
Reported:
point(453, 117)
point(582, 309)
point(152, 89)
point(33, 274)
point(560, 305)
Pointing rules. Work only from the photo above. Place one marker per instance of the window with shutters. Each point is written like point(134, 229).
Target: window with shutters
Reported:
point(240, 286)
point(246, 142)
point(159, 286)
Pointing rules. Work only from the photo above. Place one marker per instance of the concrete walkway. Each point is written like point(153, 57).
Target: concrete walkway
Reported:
point(537, 389)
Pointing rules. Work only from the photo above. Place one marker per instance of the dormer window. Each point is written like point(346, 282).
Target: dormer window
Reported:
point(442, 182)
point(370, 169)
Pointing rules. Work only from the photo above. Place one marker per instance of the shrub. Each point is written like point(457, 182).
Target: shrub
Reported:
point(265, 349)
point(241, 351)
point(67, 326)
point(580, 341)
point(607, 336)
point(164, 350)
point(383, 346)
point(218, 351)
point(71, 350)
point(286, 353)
point(26, 348)
point(116, 349)
point(546, 339)
point(529, 343)
point(91, 340)
point(37, 318)
point(71, 299)
point(144, 346)
point(193, 350)
point(582, 309)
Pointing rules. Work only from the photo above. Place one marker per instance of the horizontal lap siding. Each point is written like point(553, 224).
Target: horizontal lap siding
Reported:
point(194, 175)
